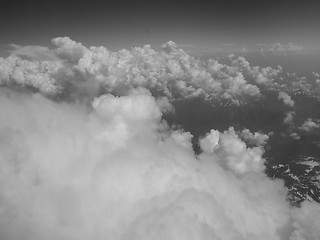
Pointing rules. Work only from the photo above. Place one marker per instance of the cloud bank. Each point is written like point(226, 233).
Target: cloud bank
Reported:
point(114, 169)
point(74, 70)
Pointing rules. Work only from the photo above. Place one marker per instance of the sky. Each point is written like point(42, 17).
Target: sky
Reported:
point(196, 25)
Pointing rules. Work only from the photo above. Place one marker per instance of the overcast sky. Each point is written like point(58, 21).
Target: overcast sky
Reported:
point(124, 24)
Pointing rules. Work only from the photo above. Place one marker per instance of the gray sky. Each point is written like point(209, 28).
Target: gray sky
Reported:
point(194, 24)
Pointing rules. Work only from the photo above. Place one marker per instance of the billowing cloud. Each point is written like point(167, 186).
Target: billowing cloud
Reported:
point(171, 72)
point(34, 74)
point(114, 169)
point(117, 171)
point(287, 100)
point(234, 152)
point(257, 139)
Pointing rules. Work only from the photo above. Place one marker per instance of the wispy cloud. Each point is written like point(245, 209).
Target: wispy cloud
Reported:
point(289, 48)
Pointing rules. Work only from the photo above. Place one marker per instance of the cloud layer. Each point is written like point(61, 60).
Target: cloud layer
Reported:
point(171, 73)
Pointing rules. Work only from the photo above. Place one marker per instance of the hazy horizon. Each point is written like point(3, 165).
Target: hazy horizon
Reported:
point(124, 24)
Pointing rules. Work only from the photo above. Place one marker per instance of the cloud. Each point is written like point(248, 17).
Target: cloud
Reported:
point(117, 171)
point(85, 152)
point(257, 139)
point(287, 100)
point(289, 117)
point(279, 48)
point(317, 75)
point(170, 72)
point(233, 151)
point(295, 136)
point(37, 53)
point(305, 222)
point(309, 125)
point(35, 74)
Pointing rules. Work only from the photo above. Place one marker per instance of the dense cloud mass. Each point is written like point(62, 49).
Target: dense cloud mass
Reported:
point(114, 169)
